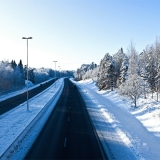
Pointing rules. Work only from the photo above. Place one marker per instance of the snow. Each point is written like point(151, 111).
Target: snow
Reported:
point(17, 124)
point(125, 132)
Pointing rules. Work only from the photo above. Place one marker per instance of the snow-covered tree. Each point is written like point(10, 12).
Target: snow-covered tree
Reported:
point(21, 70)
point(133, 87)
point(121, 66)
point(40, 75)
point(91, 72)
point(157, 55)
point(123, 71)
point(11, 77)
point(133, 60)
point(85, 71)
point(106, 74)
point(151, 67)
point(112, 75)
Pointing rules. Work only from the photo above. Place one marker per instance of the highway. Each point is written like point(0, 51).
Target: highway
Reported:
point(12, 102)
point(68, 133)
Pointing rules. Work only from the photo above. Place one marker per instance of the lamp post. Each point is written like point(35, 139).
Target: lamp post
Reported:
point(27, 69)
point(59, 71)
point(55, 71)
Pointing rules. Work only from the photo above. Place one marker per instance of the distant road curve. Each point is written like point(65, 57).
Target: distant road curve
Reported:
point(12, 102)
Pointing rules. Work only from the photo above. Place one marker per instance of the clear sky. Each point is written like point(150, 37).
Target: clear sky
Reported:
point(73, 32)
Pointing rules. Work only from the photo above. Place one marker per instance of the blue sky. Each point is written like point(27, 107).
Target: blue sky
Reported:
point(75, 31)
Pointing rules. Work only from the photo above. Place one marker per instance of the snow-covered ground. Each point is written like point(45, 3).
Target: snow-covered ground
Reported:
point(19, 127)
point(125, 132)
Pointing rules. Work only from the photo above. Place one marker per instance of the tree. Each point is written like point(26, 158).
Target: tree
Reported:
point(133, 60)
point(157, 53)
point(112, 74)
point(31, 75)
point(20, 66)
point(119, 59)
point(123, 71)
point(144, 76)
point(133, 87)
point(91, 72)
point(84, 72)
point(13, 64)
point(103, 78)
point(151, 68)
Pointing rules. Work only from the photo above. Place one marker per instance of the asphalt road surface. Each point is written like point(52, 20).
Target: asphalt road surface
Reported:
point(68, 133)
point(12, 102)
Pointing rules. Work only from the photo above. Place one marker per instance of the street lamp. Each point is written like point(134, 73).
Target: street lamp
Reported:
point(55, 71)
point(27, 69)
point(59, 71)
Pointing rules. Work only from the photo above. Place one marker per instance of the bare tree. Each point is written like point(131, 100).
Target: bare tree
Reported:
point(133, 88)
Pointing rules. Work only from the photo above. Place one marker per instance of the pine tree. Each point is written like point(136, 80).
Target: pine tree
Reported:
point(13, 64)
point(119, 61)
point(31, 75)
point(151, 69)
point(20, 66)
point(103, 79)
point(123, 71)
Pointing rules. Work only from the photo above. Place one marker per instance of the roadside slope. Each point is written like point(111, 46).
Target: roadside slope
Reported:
point(121, 133)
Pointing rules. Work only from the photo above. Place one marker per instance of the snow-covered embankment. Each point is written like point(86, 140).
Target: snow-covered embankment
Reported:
point(122, 134)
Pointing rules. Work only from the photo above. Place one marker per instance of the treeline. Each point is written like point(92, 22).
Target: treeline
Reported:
point(87, 71)
point(133, 73)
point(13, 75)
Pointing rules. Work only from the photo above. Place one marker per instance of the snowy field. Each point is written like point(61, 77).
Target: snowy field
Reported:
point(20, 127)
point(130, 133)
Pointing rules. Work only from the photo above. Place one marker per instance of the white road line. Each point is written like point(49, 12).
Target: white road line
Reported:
point(65, 141)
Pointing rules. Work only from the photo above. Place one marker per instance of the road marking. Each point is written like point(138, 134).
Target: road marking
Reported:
point(65, 141)
point(68, 119)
